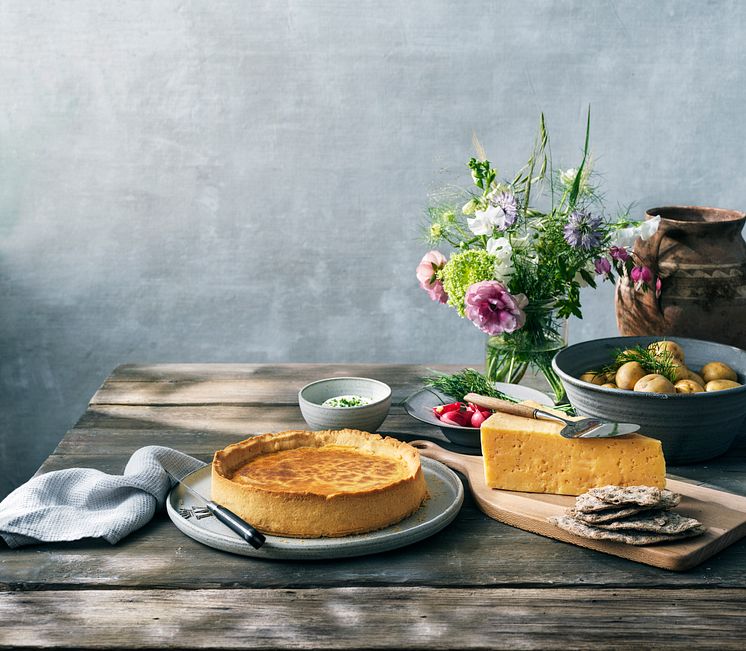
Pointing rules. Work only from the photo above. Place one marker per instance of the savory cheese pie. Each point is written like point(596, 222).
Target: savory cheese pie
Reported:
point(313, 484)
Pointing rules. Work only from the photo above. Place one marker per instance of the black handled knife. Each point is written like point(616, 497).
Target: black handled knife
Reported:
point(254, 537)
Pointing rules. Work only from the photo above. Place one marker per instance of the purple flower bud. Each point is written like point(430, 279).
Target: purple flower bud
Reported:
point(602, 266)
point(619, 253)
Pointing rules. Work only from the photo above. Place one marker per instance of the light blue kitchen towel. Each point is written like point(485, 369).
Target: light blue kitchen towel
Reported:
point(86, 503)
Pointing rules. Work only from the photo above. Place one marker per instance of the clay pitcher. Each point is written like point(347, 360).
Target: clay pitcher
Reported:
point(700, 255)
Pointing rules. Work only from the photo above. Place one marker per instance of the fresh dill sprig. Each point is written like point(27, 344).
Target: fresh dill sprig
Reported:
point(469, 380)
point(663, 363)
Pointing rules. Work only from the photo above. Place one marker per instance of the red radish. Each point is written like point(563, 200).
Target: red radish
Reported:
point(477, 419)
point(461, 415)
point(455, 418)
point(444, 409)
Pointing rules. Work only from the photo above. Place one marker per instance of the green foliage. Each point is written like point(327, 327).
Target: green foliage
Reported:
point(528, 222)
point(469, 380)
point(465, 381)
point(482, 174)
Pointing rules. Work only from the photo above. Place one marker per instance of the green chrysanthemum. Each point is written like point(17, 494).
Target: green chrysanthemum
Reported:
point(462, 271)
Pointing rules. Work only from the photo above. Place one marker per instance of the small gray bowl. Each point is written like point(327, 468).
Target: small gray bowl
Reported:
point(692, 426)
point(367, 418)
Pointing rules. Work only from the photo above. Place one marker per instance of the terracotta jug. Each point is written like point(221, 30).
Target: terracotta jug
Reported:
point(700, 255)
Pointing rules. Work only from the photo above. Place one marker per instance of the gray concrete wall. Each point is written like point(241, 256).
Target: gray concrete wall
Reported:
point(244, 181)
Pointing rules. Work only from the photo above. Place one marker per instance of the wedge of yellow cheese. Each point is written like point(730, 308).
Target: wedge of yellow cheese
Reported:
point(523, 454)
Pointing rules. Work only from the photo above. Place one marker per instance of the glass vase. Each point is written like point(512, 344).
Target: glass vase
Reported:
point(509, 356)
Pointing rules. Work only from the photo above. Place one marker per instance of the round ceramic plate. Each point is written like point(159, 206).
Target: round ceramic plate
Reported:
point(446, 497)
point(420, 406)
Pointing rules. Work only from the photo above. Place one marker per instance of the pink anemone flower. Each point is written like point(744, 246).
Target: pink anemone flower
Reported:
point(493, 309)
point(427, 271)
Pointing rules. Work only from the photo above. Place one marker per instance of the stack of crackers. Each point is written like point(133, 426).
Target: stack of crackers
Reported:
point(636, 515)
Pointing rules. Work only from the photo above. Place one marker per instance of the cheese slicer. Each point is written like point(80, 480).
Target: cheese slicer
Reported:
point(584, 428)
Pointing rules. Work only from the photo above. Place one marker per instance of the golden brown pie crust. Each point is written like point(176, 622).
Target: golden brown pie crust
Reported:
point(312, 484)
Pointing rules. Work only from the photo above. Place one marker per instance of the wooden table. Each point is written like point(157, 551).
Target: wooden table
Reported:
point(476, 584)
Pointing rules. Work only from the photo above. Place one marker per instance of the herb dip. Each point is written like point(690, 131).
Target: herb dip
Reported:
point(346, 401)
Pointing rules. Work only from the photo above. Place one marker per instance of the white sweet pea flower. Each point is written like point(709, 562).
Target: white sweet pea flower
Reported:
point(481, 224)
point(498, 245)
point(649, 228)
point(499, 215)
point(625, 237)
point(502, 218)
point(502, 250)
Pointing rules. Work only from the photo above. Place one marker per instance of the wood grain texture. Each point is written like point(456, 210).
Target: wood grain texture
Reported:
point(723, 514)
point(229, 419)
point(474, 551)
point(524, 590)
point(376, 618)
point(243, 384)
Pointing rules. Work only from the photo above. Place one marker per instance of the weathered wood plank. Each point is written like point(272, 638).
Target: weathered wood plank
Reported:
point(196, 384)
point(495, 575)
point(473, 551)
point(384, 618)
point(244, 371)
point(230, 419)
point(123, 442)
point(112, 447)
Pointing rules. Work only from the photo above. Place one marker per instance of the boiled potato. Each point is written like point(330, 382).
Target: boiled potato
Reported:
point(593, 377)
point(680, 372)
point(610, 385)
point(718, 371)
point(654, 383)
point(721, 385)
point(688, 386)
point(628, 374)
point(696, 377)
point(660, 347)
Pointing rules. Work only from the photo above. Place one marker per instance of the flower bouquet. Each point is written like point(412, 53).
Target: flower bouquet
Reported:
point(520, 252)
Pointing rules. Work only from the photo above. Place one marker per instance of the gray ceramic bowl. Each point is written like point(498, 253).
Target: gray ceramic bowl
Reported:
point(367, 418)
point(692, 427)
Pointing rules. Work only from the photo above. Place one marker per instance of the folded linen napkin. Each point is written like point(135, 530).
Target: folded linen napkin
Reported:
point(87, 503)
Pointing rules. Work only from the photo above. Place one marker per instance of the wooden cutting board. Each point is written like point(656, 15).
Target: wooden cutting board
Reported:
point(724, 515)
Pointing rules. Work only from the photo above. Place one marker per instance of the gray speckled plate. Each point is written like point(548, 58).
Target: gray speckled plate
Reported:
point(420, 406)
point(446, 498)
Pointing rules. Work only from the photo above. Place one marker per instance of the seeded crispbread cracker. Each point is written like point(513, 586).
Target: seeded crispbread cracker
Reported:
point(653, 521)
point(617, 497)
point(608, 515)
point(629, 537)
